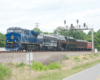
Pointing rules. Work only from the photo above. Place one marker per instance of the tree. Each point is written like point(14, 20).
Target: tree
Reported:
point(2, 40)
point(98, 31)
point(97, 40)
point(89, 33)
point(45, 32)
point(59, 29)
point(35, 29)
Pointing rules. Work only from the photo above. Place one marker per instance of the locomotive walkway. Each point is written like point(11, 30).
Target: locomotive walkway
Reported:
point(92, 73)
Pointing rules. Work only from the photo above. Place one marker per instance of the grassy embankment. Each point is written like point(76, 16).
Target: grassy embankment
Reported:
point(54, 71)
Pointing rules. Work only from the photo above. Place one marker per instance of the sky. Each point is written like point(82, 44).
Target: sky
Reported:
point(48, 13)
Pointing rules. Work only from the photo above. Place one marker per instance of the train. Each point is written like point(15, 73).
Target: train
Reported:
point(18, 39)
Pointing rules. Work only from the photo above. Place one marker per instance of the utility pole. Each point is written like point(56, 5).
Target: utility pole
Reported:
point(37, 25)
point(92, 39)
point(57, 32)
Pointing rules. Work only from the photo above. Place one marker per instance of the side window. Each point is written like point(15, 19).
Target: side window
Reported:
point(26, 32)
point(23, 31)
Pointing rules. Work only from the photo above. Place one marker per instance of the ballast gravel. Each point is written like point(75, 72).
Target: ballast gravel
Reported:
point(43, 57)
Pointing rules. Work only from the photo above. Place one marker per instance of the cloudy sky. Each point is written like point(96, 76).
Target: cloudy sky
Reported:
point(49, 13)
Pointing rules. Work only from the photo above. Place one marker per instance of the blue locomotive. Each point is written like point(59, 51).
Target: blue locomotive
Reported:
point(21, 39)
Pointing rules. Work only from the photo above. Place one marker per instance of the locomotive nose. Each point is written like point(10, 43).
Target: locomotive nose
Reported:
point(12, 41)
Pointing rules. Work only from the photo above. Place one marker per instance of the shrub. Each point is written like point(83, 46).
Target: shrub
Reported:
point(54, 66)
point(5, 72)
point(37, 66)
point(66, 57)
point(45, 67)
point(40, 66)
point(21, 64)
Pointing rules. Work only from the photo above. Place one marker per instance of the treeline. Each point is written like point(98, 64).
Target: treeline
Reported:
point(75, 34)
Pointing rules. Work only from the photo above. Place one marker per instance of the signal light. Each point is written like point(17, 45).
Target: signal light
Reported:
point(64, 21)
point(79, 26)
point(77, 21)
point(71, 25)
point(66, 26)
point(84, 24)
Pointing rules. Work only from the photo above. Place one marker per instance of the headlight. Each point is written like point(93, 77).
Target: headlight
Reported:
point(15, 40)
point(7, 40)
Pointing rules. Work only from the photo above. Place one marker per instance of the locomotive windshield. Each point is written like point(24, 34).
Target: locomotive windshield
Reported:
point(12, 30)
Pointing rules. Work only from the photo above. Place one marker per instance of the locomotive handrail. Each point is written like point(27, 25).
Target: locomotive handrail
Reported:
point(19, 41)
point(5, 41)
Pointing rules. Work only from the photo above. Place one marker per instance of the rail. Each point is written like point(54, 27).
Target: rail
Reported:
point(39, 51)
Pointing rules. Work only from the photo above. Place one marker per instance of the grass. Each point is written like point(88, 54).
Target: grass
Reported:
point(5, 72)
point(21, 64)
point(76, 58)
point(85, 58)
point(56, 70)
point(63, 74)
point(66, 57)
point(10, 64)
point(96, 54)
point(91, 56)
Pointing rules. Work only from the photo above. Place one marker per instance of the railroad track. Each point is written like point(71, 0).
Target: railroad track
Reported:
point(38, 51)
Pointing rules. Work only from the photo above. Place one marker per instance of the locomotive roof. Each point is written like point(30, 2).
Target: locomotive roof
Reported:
point(17, 28)
point(61, 36)
point(14, 28)
point(48, 35)
point(69, 37)
point(33, 32)
point(80, 40)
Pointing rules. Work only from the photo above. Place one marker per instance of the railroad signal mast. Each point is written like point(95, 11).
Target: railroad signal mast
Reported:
point(78, 27)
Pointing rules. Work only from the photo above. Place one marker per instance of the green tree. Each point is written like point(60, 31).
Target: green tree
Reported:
point(45, 32)
point(59, 29)
point(97, 40)
point(38, 30)
point(2, 40)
